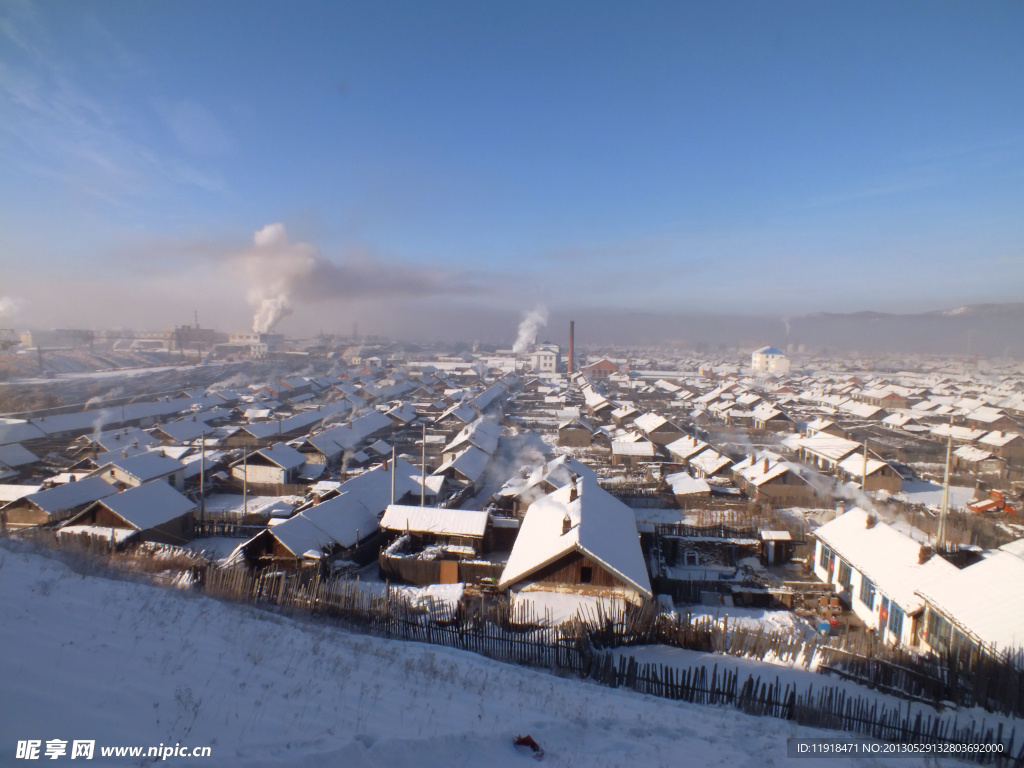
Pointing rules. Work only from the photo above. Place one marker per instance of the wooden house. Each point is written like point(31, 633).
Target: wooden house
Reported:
point(149, 512)
point(54, 504)
point(341, 524)
point(148, 467)
point(278, 464)
point(658, 429)
point(770, 479)
point(579, 539)
point(575, 433)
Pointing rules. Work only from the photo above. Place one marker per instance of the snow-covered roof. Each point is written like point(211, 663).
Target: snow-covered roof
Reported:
point(828, 446)
point(117, 439)
point(710, 461)
point(145, 466)
point(10, 493)
point(471, 464)
point(685, 447)
point(999, 439)
point(299, 535)
point(16, 455)
point(557, 473)
point(972, 454)
point(186, 429)
point(405, 412)
point(888, 558)
point(756, 472)
point(602, 528)
point(650, 422)
point(984, 600)
point(70, 495)
point(964, 434)
point(446, 522)
point(854, 465)
point(684, 484)
point(768, 351)
point(349, 435)
point(148, 505)
point(483, 433)
point(281, 455)
point(355, 510)
point(642, 448)
point(18, 431)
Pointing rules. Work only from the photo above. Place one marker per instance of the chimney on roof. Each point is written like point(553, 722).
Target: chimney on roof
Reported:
point(566, 524)
point(925, 554)
point(572, 347)
point(765, 470)
point(871, 521)
point(840, 507)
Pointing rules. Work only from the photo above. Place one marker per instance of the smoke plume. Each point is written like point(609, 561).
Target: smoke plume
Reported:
point(9, 306)
point(270, 313)
point(280, 271)
point(529, 326)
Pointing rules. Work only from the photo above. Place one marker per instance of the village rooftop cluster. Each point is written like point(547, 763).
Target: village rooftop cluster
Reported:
point(851, 495)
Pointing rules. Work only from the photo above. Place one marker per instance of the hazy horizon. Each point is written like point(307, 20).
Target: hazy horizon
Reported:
point(434, 172)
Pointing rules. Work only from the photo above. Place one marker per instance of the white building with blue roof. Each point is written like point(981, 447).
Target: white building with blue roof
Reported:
point(770, 360)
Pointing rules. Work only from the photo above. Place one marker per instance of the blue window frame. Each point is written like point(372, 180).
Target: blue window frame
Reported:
point(826, 553)
point(867, 593)
point(896, 622)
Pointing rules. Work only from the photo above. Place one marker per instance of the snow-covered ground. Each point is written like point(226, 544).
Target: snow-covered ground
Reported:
point(746, 618)
point(129, 664)
point(930, 494)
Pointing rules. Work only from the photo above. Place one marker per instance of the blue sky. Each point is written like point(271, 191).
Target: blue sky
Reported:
point(734, 157)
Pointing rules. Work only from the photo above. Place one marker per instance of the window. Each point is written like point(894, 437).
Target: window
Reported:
point(938, 632)
point(845, 572)
point(690, 558)
point(896, 622)
point(826, 553)
point(867, 593)
point(586, 575)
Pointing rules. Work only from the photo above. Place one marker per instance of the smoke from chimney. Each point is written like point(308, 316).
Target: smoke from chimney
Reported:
point(279, 270)
point(572, 347)
point(529, 327)
point(270, 313)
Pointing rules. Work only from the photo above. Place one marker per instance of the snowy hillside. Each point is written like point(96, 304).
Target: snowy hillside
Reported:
point(130, 664)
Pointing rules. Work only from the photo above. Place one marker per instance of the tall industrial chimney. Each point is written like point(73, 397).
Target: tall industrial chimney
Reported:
point(572, 341)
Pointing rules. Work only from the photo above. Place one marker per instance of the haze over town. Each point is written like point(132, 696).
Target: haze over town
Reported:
point(430, 384)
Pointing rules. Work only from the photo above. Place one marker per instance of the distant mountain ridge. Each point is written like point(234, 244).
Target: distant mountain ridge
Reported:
point(1008, 309)
point(984, 329)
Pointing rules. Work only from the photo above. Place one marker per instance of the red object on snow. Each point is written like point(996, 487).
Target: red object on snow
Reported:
point(527, 741)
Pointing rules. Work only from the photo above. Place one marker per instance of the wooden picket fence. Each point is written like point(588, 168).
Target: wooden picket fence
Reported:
point(829, 707)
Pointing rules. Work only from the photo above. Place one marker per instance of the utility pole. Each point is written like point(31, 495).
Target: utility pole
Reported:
point(945, 494)
point(202, 477)
point(864, 480)
point(393, 474)
point(423, 467)
point(245, 481)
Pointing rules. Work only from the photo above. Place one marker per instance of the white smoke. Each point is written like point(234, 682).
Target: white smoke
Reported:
point(529, 326)
point(270, 313)
point(9, 306)
point(279, 271)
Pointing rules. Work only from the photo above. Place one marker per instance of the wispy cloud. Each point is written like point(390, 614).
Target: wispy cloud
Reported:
point(58, 123)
